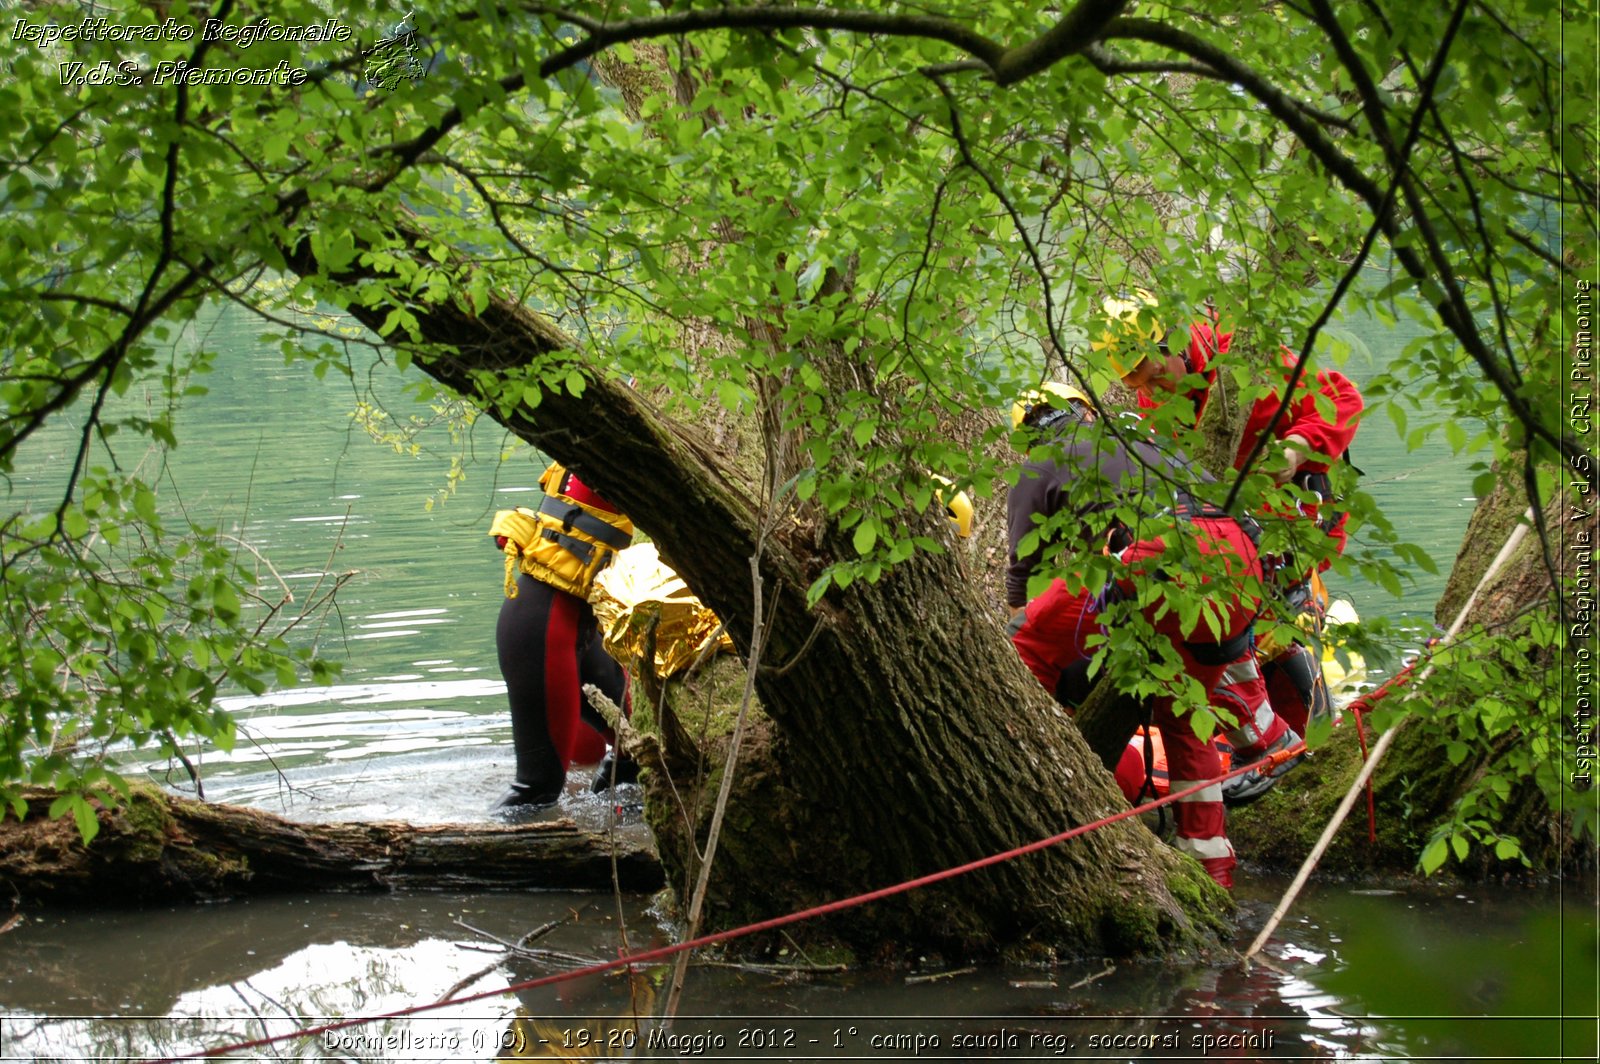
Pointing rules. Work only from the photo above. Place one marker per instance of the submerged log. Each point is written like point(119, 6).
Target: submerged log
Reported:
point(158, 847)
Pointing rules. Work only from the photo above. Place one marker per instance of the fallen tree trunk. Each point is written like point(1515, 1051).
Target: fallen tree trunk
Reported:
point(159, 847)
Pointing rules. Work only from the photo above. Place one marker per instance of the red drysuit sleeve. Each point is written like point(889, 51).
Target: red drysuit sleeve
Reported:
point(1303, 419)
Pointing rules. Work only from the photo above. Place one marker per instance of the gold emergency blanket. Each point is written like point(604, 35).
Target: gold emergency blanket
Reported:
point(637, 588)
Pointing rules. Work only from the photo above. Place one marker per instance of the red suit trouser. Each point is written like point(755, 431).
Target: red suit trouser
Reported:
point(1242, 694)
point(1051, 638)
point(549, 647)
point(1202, 820)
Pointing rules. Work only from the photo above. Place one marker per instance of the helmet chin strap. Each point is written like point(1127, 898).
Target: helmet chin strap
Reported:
point(1165, 347)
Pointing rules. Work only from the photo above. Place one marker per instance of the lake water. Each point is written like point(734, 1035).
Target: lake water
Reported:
point(1353, 975)
point(417, 729)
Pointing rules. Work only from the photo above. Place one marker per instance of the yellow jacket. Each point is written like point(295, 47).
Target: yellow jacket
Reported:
point(564, 543)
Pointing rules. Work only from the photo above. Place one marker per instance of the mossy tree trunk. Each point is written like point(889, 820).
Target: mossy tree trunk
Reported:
point(902, 718)
point(1418, 769)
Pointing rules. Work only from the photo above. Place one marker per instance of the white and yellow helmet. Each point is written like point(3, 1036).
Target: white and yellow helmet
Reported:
point(1128, 329)
point(1050, 393)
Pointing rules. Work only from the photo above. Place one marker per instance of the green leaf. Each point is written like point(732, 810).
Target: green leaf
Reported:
point(866, 536)
point(74, 523)
point(730, 395)
point(88, 824)
point(1318, 731)
point(338, 251)
point(1433, 857)
point(225, 600)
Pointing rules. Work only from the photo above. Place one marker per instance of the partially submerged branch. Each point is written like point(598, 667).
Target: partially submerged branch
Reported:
point(160, 848)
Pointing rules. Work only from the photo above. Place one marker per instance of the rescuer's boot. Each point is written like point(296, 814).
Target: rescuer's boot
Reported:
point(626, 769)
point(1241, 790)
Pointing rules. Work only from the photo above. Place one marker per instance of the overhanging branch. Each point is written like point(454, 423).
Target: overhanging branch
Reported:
point(1075, 31)
point(1451, 307)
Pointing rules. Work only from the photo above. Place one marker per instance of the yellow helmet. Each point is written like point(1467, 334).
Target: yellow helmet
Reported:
point(957, 506)
point(1060, 396)
point(1128, 330)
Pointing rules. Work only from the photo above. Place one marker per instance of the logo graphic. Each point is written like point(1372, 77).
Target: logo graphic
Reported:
point(394, 58)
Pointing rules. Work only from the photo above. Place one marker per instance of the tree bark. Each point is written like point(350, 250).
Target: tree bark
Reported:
point(1107, 720)
point(903, 712)
point(160, 848)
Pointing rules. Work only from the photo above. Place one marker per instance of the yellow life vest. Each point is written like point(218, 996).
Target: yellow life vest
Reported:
point(564, 543)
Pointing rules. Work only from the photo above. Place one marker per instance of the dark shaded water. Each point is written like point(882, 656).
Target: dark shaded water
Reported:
point(1370, 976)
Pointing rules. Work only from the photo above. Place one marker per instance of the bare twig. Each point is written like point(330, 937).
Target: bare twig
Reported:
point(288, 596)
point(251, 1005)
point(776, 969)
point(916, 980)
point(760, 625)
point(521, 943)
point(1101, 974)
point(553, 956)
point(188, 766)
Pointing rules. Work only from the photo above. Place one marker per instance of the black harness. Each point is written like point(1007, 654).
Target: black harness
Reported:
point(1195, 509)
point(1327, 518)
point(573, 516)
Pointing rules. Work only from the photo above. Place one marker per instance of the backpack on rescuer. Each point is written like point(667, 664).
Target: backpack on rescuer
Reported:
point(564, 543)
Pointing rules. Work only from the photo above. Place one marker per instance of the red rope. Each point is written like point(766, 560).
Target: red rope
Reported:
point(1372, 807)
point(775, 922)
point(1363, 705)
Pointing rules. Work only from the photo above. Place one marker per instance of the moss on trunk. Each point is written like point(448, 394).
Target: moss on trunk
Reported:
point(782, 850)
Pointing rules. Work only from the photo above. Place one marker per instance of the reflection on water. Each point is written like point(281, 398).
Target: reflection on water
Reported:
point(229, 974)
point(1368, 977)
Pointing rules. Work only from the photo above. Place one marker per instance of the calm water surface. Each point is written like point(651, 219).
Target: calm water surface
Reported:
point(417, 729)
point(1354, 976)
